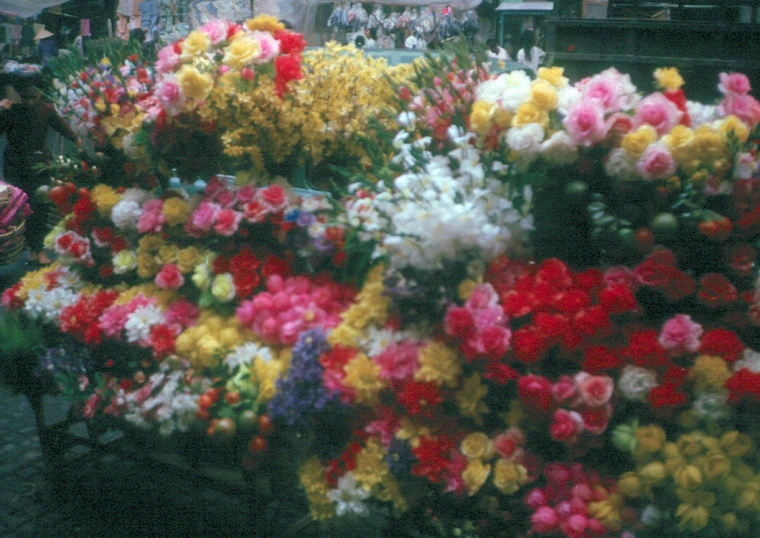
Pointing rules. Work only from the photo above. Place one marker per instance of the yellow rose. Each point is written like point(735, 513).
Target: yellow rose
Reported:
point(481, 117)
point(649, 439)
point(690, 445)
point(716, 464)
point(735, 444)
point(679, 141)
point(688, 477)
point(477, 445)
point(175, 211)
point(709, 144)
point(194, 84)
point(693, 518)
point(544, 94)
point(502, 117)
point(475, 475)
point(709, 372)
point(553, 75)
point(188, 258)
point(668, 78)
point(147, 266)
point(149, 243)
point(509, 476)
point(529, 112)
point(222, 288)
point(264, 23)
point(195, 44)
point(185, 343)
point(168, 253)
point(629, 484)
point(639, 140)
point(737, 126)
point(207, 352)
point(202, 276)
point(125, 260)
point(241, 52)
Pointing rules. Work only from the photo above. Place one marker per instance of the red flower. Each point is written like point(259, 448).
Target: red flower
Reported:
point(592, 321)
point(644, 349)
point(495, 341)
point(243, 262)
point(666, 396)
point(221, 264)
point(288, 68)
point(246, 283)
point(723, 343)
point(617, 299)
point(459, 322)
point(743, 384)
point(162, 339)
point(535, 392)
point(274, 265)
point(528, 345)
point(290, 41)
point(678, 98)
point(566, 427)
point(273, 196)
point(553, 327)
point(741, 258)
point(596, 420)
point(599, 358)
point(516, 303)
point(556, 273)
point(417, 396)
point(571, 301)
point(499, 372)
point(716, 291)
point(431, 456)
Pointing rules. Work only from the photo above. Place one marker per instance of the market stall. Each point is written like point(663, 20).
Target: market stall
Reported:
point(493, 306)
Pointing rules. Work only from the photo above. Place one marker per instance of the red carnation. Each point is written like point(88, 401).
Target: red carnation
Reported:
point(288, 68)
point(162, 339)
point(599, 358)
point(553, 327)
point(666, 396)
point(556, 273)
point(528, 345)
point(417, 396)
point(516, 303)
point(290, 41)
point(535, 392)
point(459, 322)
point(716, 291)
point(591, 281)
point(275, 265)
point(571, 301)
point(743, 384)
point(723, 343)
point(644, 349)
point(592, 321)
point(431, 456)
point(617, 299)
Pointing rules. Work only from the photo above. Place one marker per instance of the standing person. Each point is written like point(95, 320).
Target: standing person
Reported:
point(26, 126)
point(495, 52)
point(47, 48)
point(530, 54)
point(370, 35)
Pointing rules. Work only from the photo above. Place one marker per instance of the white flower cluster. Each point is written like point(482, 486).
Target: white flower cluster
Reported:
point(635, 382)
point(127, 211)
point(140, 322)
point(47, 304)
point(443, 207)
point(244, 355)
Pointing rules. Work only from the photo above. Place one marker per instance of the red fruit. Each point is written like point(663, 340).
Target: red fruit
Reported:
point(644, 240)
point(232, 397)
point(257, 445)
point(58, 195)
point(205, 401)
point(265, 425)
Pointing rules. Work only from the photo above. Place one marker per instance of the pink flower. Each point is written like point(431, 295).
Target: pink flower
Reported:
point(482, 296)
point(681, 334)
point(227, 222)
point(656, 163)
point(204, 215)
point(564, 389)
point(246, 193)
point(273, 196)
point(270, 47)
point(734, 83)
point(606, 91)
point(596, 419)
point(544, 520)
point(168, 59)
point(495, 341)
point(744, 107)
point(535, 392)
point(594, 390)
point(182, 312)
point(216, 30)
point(659, 112)
point(536, 498)
point(574, 526)
point(152, 218)
point(169, 277)
point(585, 123)
point(567, 426)
point(398, 361)
point(622, 275)
point(557, 474)
point(508, 445)
point(170, 95)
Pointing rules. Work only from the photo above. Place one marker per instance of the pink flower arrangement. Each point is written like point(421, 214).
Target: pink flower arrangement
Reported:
point(656, 163)
point(659, 112)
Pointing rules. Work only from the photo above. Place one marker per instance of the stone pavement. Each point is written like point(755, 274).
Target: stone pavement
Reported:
point(115, 499)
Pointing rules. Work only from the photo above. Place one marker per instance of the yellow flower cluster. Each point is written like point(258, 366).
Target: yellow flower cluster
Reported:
point(175, 211)
point(162, 297)
point(34, 280)
point(104, 197)
point(700, 469)
point(508, 476)
point(371, 306)
point(374, 475)
point(668, 78)
point(312, 479)
point(470, 398)
point(440, 365)
point(363, 376)
point(205, 343)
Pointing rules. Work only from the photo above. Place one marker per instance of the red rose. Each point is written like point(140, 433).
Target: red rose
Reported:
point(221, 264)
point(535, 392)
point(556, 273)
point(716, 291)
point(566, 427)
point(245, 261)
point(678, 98)
point(516, 303)
point(246, 283)
point(528, 345)
point(599, 358)
point(499, 372)
point(741, 258)
point(275, 265)
point(571, 301)
point(553, 327)
point(617, 299)
point(644, 349)
point(290, 41)
point(417, 396)
point(592, 321)
point(596, 420)
point(495, 341)
point(591, 280)
point(723, 343)
point(666, 396)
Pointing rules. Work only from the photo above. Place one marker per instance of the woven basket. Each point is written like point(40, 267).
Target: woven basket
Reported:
point(11, 243)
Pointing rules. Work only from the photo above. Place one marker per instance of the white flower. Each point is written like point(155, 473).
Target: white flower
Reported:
point(125, 214)
point(750, 361)
point(700, 113)
point(526, 140)
point(244, 354)
point(711, 405)
point(140, 322)
point(635, 383)
point(568, 98)
point(508, 90)
point(619, 164)
point(406, 119)
point(559, 148)
point(348, 496)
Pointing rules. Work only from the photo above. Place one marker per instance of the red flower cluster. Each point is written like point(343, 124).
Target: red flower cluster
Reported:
point(659, 272)
point(81, 318)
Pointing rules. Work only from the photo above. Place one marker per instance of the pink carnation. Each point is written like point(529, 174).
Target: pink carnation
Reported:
point(227, 222)
point(734, 84)
point(398, 361)
point(744, 107)
point(659, 112)
point(585, 123)
point(204, 216)
point(169, 277)
point(216, 30)
point(594, 390)
point(170, 95)
point(168, 59)
point(680, 333)
point(152, 218)
point(182, 312)
point(544, 520)
point(270, 47)
point(656, 163)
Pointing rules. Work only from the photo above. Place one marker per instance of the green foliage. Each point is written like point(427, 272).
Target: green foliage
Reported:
point(20, 341)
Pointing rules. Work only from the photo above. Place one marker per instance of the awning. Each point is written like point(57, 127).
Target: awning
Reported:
point(525, 8)
point(26, 8)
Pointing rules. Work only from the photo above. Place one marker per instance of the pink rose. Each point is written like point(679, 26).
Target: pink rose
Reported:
point(483, 296)
point(273, 196)
point(605, 91)
point(214, 186)
point(744, 107)
point(246, 193)
point(574, 526)
point(567, 426)
point(270, 47)
point(595, 420)
point(204, 216)
point(495, 341)
point(169, 277)
point(557, 474)
point(536, 498)
point(585, 123)
point(656, 163)
point(734, 83)
point(595, 390)
point(544, 520)
point(168, 59)
point(564, 389)
point(681, 334)
point(170, 95)
point(508, 444)
point(216, 30)
point(659, 112)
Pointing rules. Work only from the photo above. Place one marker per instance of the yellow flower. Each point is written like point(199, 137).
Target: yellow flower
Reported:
point(149, 243)
point(411, 431)
point(679, 141)
point(242, 51)
point(195, 44)
point(653, 473)
point(668, 78)
point(194, 84)
point(207, 352)
point(737, 126)
point(692, 517)
point(470, 398)
point(188, 258)
point(709, 373)
point(629, 484)
point(477, 445)
point(529, 112)
point(649, 439)
point(608, 512)
point(688, 477)
point(509, 476)
point(716, 464)
point(553, 75)
point(370, 465)
point(124, 260)
point(175, 211)
point(475, 475)
point(168, 253)
point(690, 445)
point(104, 197)
point(312, 479)
point(735, 444)
point(637, 141)
point(147, 266)
point(439, 364)
point(709, 144)
point(264, 23)
point(100, 105)
point(544, 94)
point(363, 375)
point(202, 276)
point(222, 288)
point(481, 117)
point(466, 288)
point(502, 117)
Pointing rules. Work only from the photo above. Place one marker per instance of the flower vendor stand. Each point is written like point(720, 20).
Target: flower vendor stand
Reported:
point(499, 306)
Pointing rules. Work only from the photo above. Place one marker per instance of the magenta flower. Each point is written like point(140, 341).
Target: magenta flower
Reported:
point(659, 112)
point(585, 123)
point(681, 334)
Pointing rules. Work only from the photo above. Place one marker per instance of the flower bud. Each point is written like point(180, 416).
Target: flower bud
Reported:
point(653, 473)
point(624, 438)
